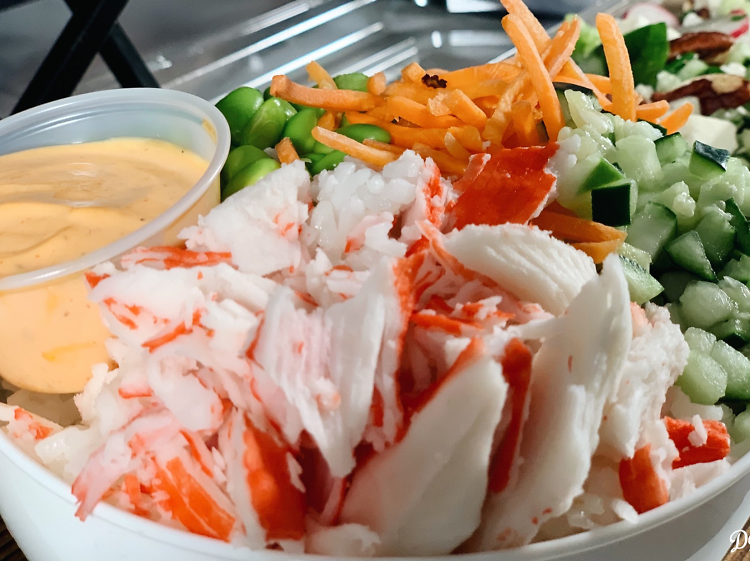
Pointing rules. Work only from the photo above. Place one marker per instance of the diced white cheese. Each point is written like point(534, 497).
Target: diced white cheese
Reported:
point(709, 130)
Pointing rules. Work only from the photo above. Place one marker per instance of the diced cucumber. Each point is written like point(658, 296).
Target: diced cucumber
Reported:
point(741, 426)
point(700, 340)
point(738, 292)
point(652, 228)
point(675, 314)
point(635, 254)
point(707, 161)
point(737, 269)
point(674, 283)
point(739, 222)
point(718, 236)
point(671, 147)
point(614, 205)
point(642, 286)
point(692, 69)
point(637, 157)
point(585, 111)
point(687, 251)
point(704, 381)
point(602, 175)
point(734, 331)
point(705, 304)
point(737, 367)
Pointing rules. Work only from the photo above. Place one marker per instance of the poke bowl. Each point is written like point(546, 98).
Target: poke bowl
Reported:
point(492, 313)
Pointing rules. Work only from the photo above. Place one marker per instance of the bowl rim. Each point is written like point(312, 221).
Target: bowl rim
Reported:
point(115, 100)
point(577, 543)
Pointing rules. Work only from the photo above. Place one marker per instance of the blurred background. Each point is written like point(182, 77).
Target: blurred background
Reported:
point(210, 48)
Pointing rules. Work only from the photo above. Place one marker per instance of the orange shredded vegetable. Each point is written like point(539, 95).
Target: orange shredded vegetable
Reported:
point(525, 124)
point(340, 100)
point(419, 114)
point(620, 71)
point(320, 76)
point(465, 109)
point(353, 148)
point(328, 121)
point(651, 111)
point(413, 73)
point(372, 143)
point(286, 152)
point(445, 162)
point(677, 118)
point(572, 228)
point(376, 83)
point(455, 148)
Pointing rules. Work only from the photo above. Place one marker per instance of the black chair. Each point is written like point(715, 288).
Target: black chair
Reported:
point(92, 29)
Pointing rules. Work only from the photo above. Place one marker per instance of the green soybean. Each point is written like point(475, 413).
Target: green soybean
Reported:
point(321, 148)
point(363, 131)
point(238, 107)
point(267, 125)
point(249, 175)
point(289, 109)
point(344, 121)
point(299, 130)
point(329, 162)
point(355, 81)
point(267, 93)
point(239, 158)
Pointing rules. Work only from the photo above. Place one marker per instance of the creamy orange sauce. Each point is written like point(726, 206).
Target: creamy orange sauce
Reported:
point(58, 203)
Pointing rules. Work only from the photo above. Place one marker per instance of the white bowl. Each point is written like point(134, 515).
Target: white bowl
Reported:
point(39, 510)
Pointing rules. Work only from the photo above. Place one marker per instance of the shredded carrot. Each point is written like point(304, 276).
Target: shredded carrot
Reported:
point(418, 114)
point(355, 149)
point(413, 73)
point(320, 76)
point(327, 121)
point(286, 152)
point(641, 485)
point(677, 118)
point(488, 104)
point(416, 92)
point(557, 208)
point(437, 106)
point(447, 163)
point(651, 111)
point(494, 130)
point(376, 83)
point(535, 29)
point(372, 143)
point(455, 148)
point(484, 88)
point(495, 71)
point(540, 78)
point(598, 251)
point(571, 74)
point(572, 228)
point(715, 448)
point(525, 124)
point(469, 137)
point(601, 82)
point(618, 62)
point(340, 100)
point(465, 109)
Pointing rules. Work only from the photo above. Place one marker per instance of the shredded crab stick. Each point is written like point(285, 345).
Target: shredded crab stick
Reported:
point(620, 72)
point(641, 484)
point(716, 445)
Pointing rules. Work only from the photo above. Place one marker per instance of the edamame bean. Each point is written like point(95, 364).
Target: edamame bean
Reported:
point(249, 175)
point(321, 148)
point(267, 93)
point(355, 81)
point(329, 162)
point(239, 158)
point(362, 131)
point(238, 107)
point(289, 110)
point(267, 125)
point(299, 128)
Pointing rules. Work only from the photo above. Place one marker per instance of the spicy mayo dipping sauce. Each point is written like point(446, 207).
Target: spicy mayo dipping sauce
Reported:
point(58, 203)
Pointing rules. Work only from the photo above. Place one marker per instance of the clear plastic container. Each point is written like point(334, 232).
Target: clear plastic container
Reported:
point(50, 334)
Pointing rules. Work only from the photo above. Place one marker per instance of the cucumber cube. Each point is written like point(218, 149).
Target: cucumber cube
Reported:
point(738, 269)
point(651, 228)
point(613, 205)
point(638, 159)
point(704, 304)
point(703, 380)
point(700, 340)
point(674, 283)
point(642, 286)
point(734, 331)
point(738, 292)
point(739, 222)
point(670, 147)
point(635, 254)
point(675, 314)
point(602, 175)
point(687, 251)
point(718, 236)
point(737, 367)
point(707, 161)
point(741, 426)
